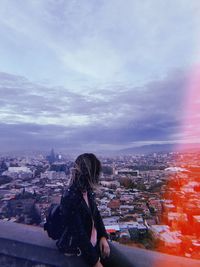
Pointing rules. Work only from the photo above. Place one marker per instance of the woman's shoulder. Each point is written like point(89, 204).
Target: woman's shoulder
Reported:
point(70, 200)
point(71, 193)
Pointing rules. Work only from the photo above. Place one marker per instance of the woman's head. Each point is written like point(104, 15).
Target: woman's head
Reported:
point(87, 169)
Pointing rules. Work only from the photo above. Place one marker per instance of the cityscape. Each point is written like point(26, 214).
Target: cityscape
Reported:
point(120, 79)
point(149, 201)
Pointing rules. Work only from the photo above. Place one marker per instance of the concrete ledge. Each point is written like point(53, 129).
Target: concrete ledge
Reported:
point(24, 246)
point(30, 243)
point(147, 258)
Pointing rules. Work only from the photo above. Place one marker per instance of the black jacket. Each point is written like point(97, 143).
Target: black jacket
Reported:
point(78, 218)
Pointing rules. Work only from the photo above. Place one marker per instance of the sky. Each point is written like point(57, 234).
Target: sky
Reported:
point(98, 75)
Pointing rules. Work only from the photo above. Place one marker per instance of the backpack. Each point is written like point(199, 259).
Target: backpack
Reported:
point(54, 222)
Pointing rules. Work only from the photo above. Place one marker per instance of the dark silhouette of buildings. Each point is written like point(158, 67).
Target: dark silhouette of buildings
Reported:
point(23, 208)
point(52, 157)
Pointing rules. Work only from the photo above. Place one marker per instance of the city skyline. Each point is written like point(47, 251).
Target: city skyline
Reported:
point(98, 75)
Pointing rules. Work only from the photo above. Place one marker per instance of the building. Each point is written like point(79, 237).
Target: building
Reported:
point(127, 172)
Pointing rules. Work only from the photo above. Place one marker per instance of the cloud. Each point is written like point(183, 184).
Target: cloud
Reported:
point(80, 44)
point(39, 116)
point(23, 101)
point(96, 74)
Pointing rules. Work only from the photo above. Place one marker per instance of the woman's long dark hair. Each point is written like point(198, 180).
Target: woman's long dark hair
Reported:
point(86, 171)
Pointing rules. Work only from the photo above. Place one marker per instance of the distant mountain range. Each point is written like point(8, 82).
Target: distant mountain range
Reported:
point(146, 149)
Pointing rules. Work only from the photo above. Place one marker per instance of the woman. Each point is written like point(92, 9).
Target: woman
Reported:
point(85, 233)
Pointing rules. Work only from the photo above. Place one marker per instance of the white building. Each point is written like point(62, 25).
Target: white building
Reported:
point(22, 172)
